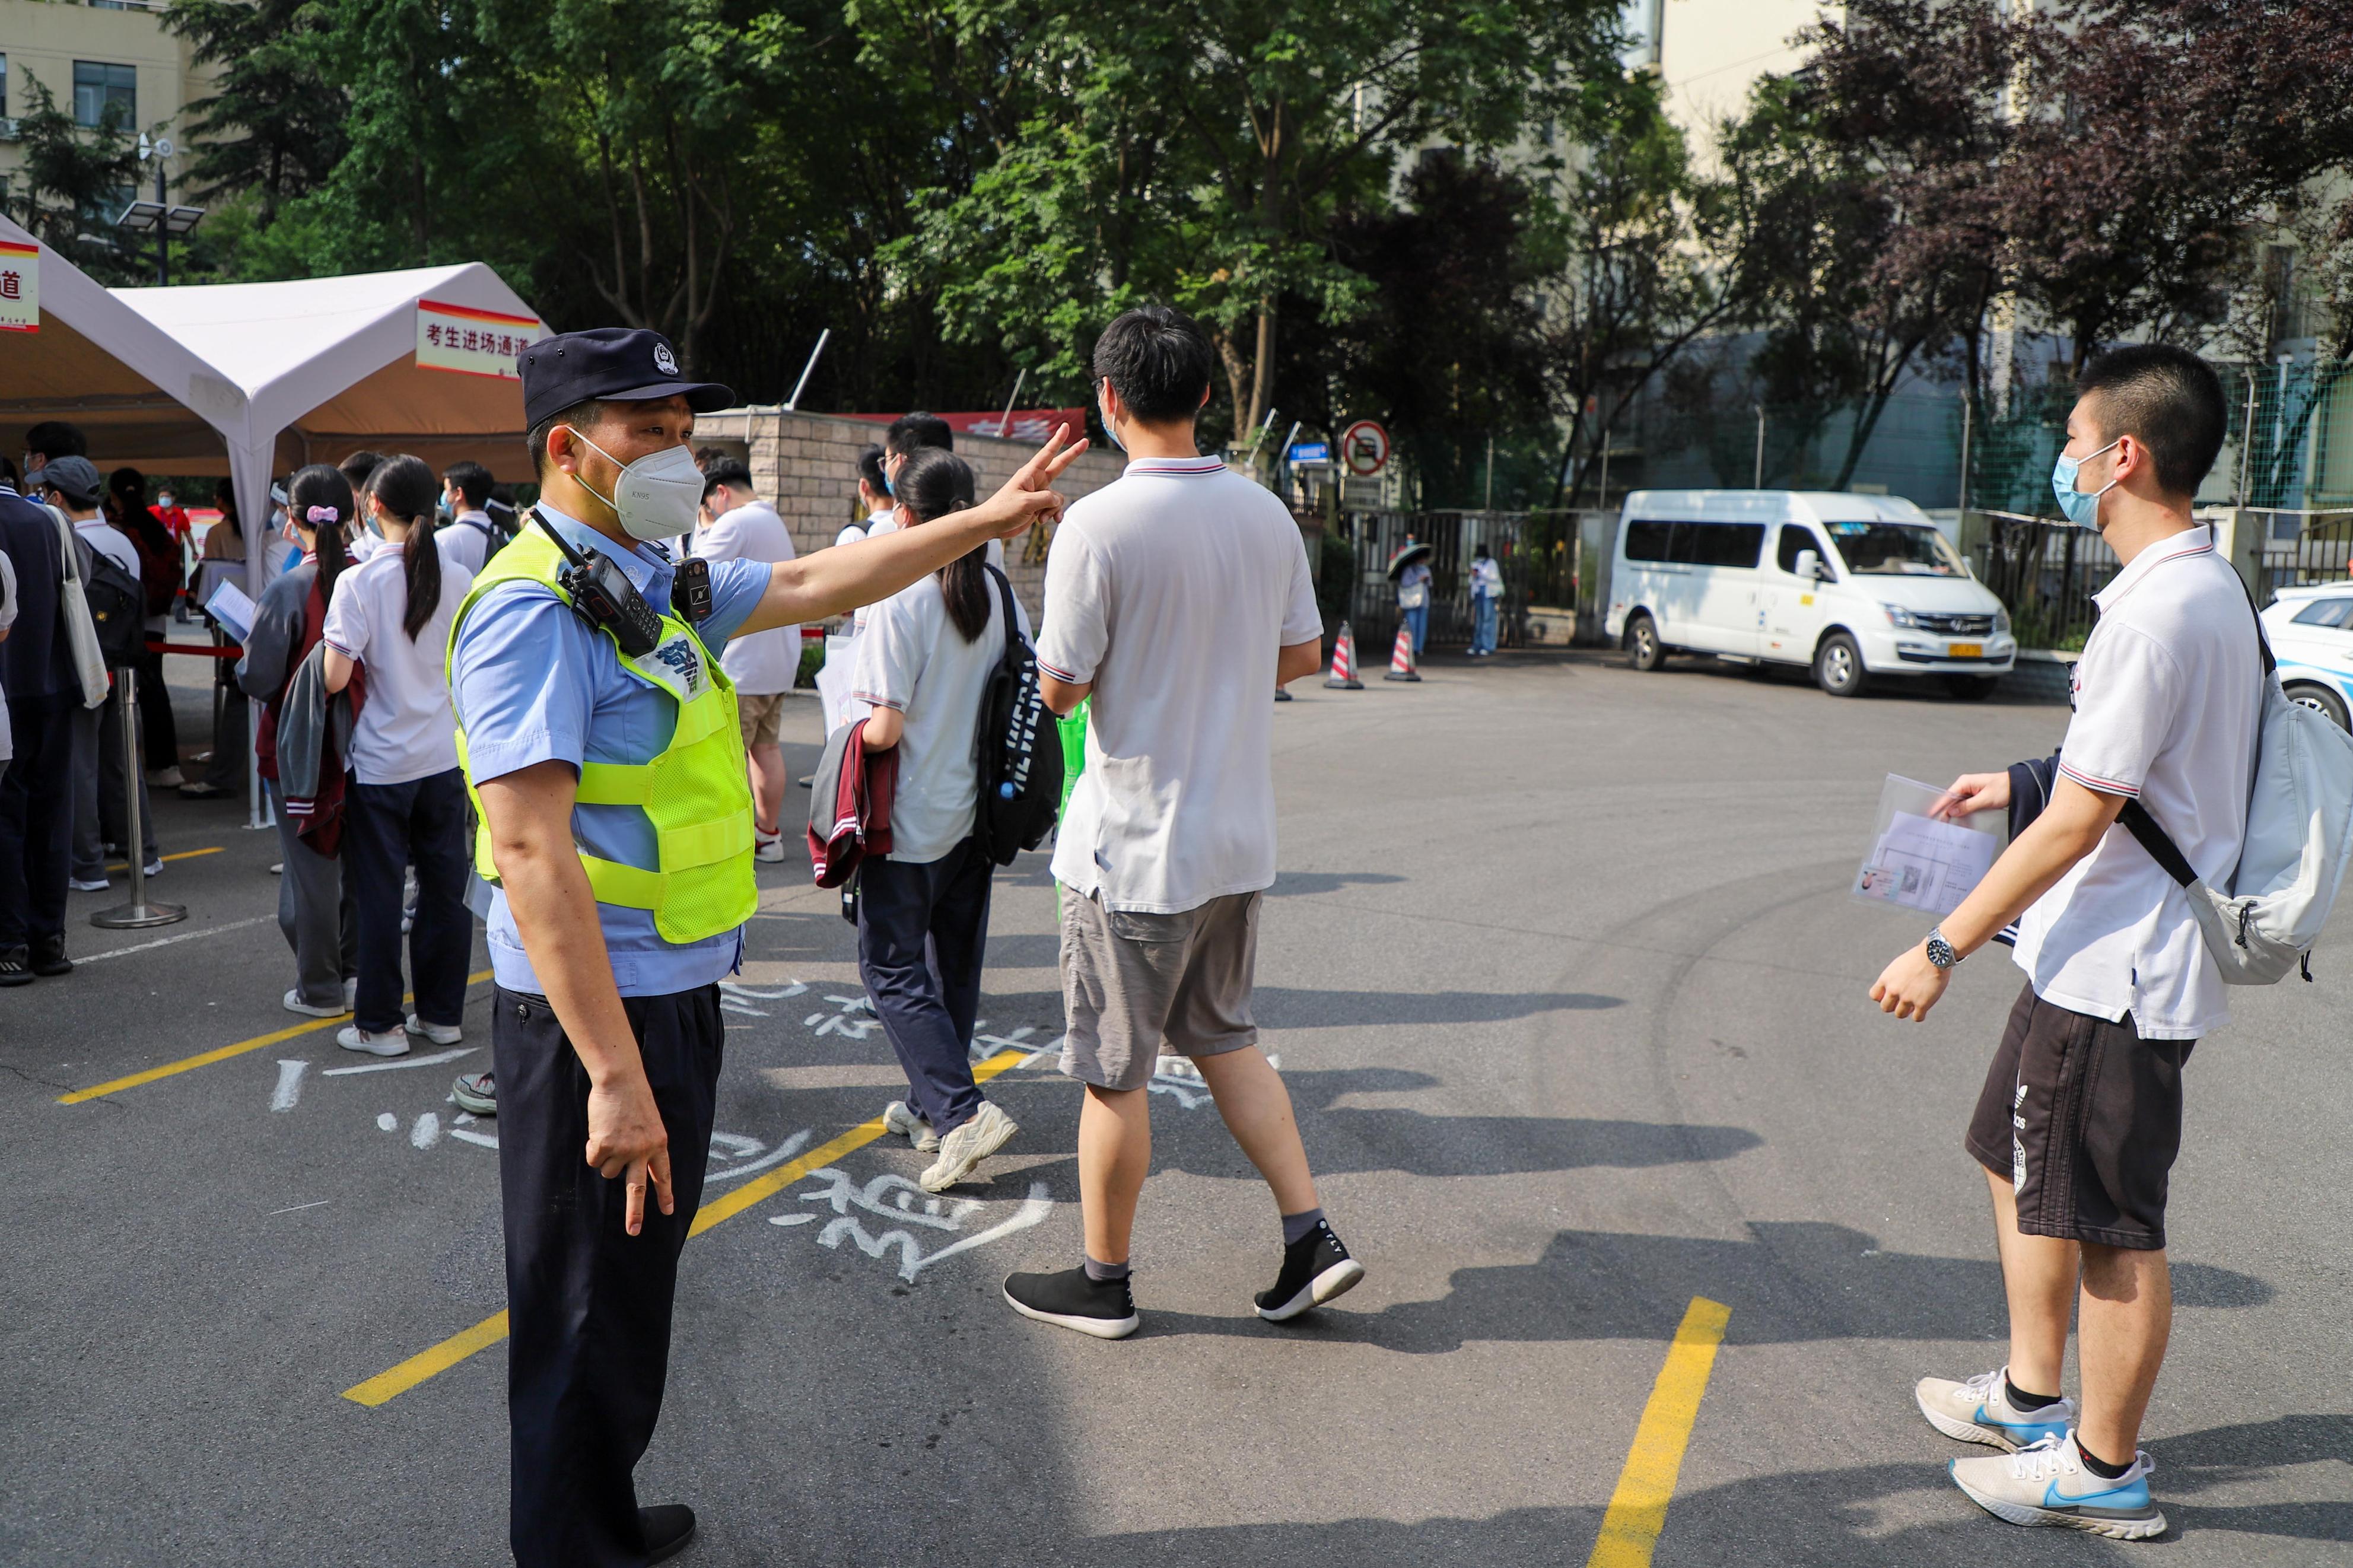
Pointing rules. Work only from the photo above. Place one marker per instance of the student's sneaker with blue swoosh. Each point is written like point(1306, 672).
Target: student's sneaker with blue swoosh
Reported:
point(1979, 1411)
point(2047, 1483)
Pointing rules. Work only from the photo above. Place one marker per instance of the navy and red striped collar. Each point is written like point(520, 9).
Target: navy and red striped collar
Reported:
point(2195, 540)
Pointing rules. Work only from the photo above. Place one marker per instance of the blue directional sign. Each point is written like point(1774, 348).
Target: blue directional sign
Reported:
point(1310, 451)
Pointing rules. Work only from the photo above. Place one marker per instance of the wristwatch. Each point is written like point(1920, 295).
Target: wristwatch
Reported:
point(1940, 952)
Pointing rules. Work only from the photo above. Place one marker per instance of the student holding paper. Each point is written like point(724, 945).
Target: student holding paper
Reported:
point(2081, 1115)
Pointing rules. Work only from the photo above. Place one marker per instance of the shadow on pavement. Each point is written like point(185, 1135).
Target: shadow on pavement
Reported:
point(1790, 1283)
point(1905, 1513)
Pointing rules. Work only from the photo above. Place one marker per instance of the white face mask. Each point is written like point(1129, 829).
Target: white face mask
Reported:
point(656, 497)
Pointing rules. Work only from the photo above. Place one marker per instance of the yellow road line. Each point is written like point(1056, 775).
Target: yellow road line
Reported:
point(391, 1383)
point(223, 1053)
point(1638, 1509)
point(183, 854)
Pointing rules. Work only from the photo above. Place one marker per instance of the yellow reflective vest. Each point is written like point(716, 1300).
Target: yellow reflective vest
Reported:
point(695, 792)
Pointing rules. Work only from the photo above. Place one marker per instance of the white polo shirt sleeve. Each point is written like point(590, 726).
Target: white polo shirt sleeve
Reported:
point(2128, 693)
point(345, 628)
point(892, 653)
point(1077, 594)
point(1302, 622)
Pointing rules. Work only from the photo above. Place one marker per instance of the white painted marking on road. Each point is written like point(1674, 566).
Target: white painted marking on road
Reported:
point(467, 1135)
point(396, 1066)
point(792, 1219)
point(168, 941)
point(1052, 1048)
point(297, 1209)
point(289, 1085)
point(388, 1122)
point(777, 1156)
point(729, 1004)
point(761, 993)
point(427, 1132)
point(913, 1259)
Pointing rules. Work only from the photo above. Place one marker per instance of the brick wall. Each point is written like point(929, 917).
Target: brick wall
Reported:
point(806, 464)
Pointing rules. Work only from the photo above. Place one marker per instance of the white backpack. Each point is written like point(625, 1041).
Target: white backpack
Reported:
point(2298, 840)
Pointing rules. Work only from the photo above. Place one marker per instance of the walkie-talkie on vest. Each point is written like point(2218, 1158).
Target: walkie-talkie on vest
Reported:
point(603, 595)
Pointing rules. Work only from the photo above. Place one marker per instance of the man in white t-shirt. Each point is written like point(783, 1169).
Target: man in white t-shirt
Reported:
point(2081, 1115)
point(763, 665)
point(1173, 597)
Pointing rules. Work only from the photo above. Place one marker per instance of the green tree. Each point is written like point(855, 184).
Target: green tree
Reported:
point(74, 182)
point(274, 126)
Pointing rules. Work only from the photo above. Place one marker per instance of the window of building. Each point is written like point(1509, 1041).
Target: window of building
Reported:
point(3, 87)
point(105, 93)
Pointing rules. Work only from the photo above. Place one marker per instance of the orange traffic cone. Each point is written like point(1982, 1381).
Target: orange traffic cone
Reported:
point(1401, 656)
point(1343, 662)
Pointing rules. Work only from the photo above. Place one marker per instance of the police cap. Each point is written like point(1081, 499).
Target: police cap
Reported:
point(619, 364)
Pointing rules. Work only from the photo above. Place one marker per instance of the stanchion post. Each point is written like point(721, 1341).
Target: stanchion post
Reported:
point(138, 913)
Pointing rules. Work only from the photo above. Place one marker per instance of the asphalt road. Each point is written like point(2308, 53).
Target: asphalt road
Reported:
point(1566, 987)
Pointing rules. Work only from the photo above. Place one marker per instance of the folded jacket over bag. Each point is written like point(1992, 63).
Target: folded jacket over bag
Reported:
point(850, 804)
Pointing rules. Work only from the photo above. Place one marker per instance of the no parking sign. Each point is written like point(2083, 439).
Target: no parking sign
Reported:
point(1365, 448)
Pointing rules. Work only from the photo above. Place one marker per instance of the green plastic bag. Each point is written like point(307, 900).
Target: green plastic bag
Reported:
point(1072, 728)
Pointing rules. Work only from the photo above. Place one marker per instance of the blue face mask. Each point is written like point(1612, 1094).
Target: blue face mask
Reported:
point(2082, 507)
point(1109, 430)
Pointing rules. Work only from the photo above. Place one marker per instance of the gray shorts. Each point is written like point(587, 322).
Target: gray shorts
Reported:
point(1133, 982)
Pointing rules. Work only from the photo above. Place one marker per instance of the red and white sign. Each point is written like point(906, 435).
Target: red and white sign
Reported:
point(20, 287)
point(471, 342)
point(1031, 425)
point(1365, 448)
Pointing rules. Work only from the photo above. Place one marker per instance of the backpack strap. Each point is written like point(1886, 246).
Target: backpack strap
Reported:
point(1012, 658)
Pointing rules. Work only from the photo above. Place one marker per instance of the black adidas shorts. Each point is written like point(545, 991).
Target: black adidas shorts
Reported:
point(2084, 1117)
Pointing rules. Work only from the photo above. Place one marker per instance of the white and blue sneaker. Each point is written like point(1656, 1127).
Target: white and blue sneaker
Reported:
point(1979, 1411)
point(2046, 1483)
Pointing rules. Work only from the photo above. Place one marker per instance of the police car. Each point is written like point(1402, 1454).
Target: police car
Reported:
point(2311, 633)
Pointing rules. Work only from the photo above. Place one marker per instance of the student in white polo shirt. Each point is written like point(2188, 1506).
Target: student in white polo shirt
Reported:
point(1174, 596)
point(407, 804)
point(2080, 1116)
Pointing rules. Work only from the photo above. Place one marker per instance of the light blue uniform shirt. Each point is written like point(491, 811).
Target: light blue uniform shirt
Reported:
point(532, 683)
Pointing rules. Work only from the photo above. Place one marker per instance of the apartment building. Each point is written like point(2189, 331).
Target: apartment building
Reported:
point(105, 57)
point(1709, 53)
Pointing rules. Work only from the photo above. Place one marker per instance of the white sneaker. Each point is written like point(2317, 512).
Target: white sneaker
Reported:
point(967, 1146)
point(165, 778)
point(391, 1043)
point(900, 1120)
point(84, 885)
point(154, 868)
point(2047, 1483)
point(440, 1034)
point(769, 850)
point(294, 1004)
point(1979, 1411)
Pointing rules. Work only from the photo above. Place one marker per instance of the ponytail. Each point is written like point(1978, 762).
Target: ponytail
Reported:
point(931, 484)
point(404, 487)
point(319, 499)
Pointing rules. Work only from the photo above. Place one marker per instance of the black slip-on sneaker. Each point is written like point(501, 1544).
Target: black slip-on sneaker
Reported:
point(16, 966)
point(49, 960)
point(1315, 1269)
point(667, 1527)
point(1071, 1299)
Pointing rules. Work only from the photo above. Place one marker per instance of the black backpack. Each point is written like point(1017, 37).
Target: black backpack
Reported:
point(1020, 754)
point(118, 606)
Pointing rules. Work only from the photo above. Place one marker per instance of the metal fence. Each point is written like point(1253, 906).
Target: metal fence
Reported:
point(1538, 552)
point(2298, 547)
point(2046, 573)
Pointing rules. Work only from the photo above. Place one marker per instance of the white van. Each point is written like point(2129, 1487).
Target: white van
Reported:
point(1854, 586)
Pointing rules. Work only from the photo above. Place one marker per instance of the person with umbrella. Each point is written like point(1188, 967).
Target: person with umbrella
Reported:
point(1409, 570)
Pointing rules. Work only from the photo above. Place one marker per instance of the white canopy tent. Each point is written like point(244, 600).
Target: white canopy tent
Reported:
point(142, 396)
point(324, 365)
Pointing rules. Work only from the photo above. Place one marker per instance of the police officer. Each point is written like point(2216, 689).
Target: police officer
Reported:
point(598, 735)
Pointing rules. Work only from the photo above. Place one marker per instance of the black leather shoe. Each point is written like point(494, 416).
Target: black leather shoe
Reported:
point(667, 1527)
point(49, 959)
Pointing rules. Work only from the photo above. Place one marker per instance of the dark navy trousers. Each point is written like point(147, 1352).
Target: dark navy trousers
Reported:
point(923, 928)
point(588, 1304)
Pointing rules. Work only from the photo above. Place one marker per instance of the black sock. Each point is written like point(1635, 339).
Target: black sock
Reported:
point(1099, 1272)
point(1295, 1225)
point(2099, 1467)
point(2021, 1400)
